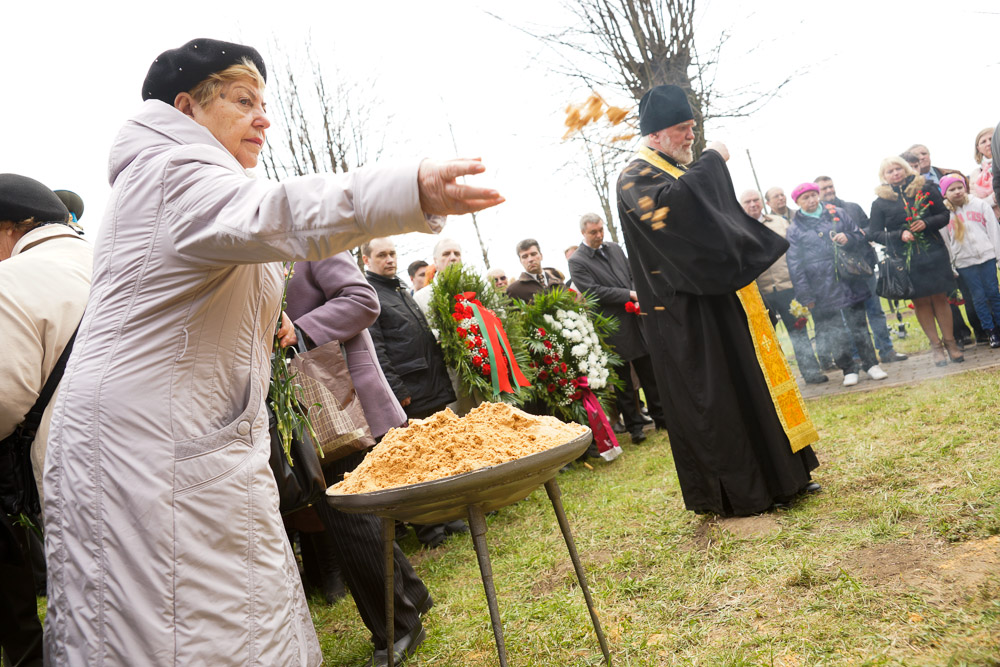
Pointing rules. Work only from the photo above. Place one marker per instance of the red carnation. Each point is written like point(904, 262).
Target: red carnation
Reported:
point(478, 340)
point(575, 395)
point(476, 359)
point(483, 351)
point(486, 369)
point(547, 359)
point(474, 329)
point(461, 332)
point(469, 344)
point(555, 357)
point(562, 367)
point(562, 382)
point(551, 388)
point(458, 317)
point(548, 344)
point(459, 297)
point(541, 331)
point(544, 375)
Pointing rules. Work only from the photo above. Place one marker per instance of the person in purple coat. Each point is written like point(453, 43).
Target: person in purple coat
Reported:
point(330, 300)
point(816, 234)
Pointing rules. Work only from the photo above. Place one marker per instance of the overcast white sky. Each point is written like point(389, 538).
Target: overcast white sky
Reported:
point(879, 76)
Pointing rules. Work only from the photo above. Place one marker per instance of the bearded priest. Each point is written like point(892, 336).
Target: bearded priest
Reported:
point(738, 428)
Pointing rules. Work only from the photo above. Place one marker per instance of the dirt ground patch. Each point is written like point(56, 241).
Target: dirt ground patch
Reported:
point(946, 572)
point(563, 572)
point(744, 527)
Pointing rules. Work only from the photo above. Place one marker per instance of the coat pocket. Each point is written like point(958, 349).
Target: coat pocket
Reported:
point(212, 457)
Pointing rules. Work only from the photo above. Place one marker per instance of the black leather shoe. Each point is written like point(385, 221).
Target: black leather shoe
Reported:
point(819, 378)
point(646, 419)
point(402, 649)
point(619, 427)
point(425, 605)
point(661, 425)
point(893, 356)
point(456, 527)
point(637, 436)
point(812, 487)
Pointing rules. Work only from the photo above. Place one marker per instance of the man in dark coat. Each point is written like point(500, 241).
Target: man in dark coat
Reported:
point(738, 428)
point(601, 270)
point(407, 350)
point(873, 305)
point(534, 279)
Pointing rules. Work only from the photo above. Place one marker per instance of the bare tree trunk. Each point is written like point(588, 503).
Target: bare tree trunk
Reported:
point(475, 222)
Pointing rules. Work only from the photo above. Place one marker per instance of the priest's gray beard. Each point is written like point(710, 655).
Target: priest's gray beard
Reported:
point(678, 151)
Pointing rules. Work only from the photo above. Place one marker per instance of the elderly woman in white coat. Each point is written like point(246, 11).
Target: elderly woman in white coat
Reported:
point(164, 541)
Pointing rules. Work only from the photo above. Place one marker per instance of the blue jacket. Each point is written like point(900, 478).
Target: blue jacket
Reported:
point(810, 259)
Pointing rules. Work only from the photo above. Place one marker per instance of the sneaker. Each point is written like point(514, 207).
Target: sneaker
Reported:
point(876, 373)
point(850, 379)
point(894, 356)
point(995, 339)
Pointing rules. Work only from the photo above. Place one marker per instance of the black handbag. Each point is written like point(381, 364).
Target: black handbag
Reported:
point(18, 491)
point(301, 482)
point(850, 264)
point(893, 277)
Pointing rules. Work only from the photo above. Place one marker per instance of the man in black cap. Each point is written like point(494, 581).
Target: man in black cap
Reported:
point(738, 429)
point(44, 281)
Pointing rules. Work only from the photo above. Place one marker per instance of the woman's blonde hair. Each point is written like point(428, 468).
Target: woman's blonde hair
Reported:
point(894, 160)
point(975, 146)
point(208, 89)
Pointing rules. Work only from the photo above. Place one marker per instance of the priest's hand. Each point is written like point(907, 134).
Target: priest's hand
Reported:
point(907, 236)
point(442, 194)
point(719, 148)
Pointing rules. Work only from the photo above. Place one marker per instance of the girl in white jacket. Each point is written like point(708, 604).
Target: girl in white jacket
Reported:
point(973, 239)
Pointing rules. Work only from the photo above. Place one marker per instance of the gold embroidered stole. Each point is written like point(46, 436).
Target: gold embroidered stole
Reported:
point(785, 394)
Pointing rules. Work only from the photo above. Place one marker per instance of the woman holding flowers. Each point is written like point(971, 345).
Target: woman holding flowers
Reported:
point(819, 231)
point(907, 218)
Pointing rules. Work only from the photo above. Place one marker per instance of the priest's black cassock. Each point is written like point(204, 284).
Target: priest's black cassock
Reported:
point(691, 247)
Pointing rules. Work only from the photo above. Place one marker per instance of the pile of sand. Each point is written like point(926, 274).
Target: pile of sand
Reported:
point(444, 444)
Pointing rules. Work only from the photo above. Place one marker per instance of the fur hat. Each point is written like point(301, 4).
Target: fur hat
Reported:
point(181, 69)
point(802, 189)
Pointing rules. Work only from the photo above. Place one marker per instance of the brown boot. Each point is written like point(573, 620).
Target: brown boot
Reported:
point(954, 352)
point(940, 356)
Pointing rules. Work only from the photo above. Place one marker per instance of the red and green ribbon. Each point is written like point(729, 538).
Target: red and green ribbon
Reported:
point(505, 374)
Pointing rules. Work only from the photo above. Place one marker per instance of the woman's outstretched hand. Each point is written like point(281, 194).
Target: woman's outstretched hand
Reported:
point(442, 194)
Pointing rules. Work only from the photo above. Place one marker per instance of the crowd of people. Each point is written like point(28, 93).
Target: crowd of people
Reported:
point(942, 222)
point(148, 468)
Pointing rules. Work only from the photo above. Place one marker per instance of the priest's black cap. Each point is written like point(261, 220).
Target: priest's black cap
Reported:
point(181, 69)
point(663, 106)
point(72, 201)
point(22, 198)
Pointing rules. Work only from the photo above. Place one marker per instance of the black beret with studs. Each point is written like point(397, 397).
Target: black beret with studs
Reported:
point(22, 198)
point(181, 69)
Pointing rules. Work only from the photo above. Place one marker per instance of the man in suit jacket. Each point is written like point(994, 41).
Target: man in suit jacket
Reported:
point(330, 300)
point(534, 279)
point(602, 270)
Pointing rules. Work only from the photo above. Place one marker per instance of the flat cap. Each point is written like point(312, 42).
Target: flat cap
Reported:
point(181, 69)
point(22, 198)
point(663, 106)
point(72, 201)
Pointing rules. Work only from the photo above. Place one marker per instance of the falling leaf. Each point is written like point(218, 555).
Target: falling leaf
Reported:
point(624, 137)
point(646, 216)
point(616, 115)
point(645, 202)
point(658, 225)
point(661, 213)
point(628, 186)
point(645, 171)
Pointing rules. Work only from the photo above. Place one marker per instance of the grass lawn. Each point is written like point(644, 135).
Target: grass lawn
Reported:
point(896, 562)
